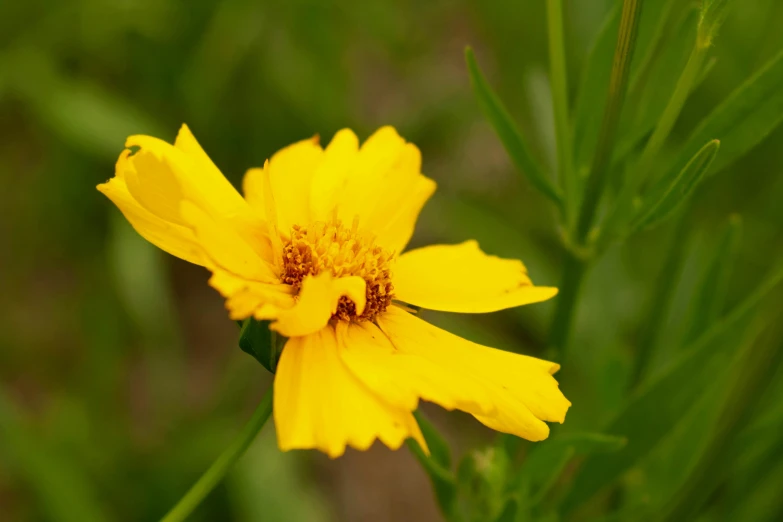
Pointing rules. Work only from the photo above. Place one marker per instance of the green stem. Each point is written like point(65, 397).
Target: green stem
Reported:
point(618, 84)
point(559, 81)
point(212, 477)
point(575, 266)
point(573, 273)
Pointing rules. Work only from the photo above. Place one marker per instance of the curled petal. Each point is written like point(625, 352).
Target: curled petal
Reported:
point(316, 303)
point(508, 392)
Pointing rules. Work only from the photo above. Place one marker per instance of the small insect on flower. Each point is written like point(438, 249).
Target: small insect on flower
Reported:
point(316, 247)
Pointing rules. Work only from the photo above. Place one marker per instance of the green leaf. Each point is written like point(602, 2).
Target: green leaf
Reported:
point(753, 371)
point(439, 448)
point(652, 89)
point(661, 301)
point(654, 409)
point(258, 340)
point(714, 287)
point(742, 120)
point(713, 13)
point(668, 194)
point(507, 130)
point(593, 90)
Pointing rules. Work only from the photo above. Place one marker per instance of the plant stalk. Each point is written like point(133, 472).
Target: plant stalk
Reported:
point(618, 85)
point(559, 84)
point(571, 283)
point(575, 266)
point(218, 470)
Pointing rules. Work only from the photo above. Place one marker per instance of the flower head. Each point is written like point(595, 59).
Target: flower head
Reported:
point(316, 247)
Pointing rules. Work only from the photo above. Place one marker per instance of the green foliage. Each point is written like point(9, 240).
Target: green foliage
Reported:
point(662, 202)
point(654, 409)
point(439, 448)
point(742, 120)
point(507, 132)
point(444, 483)
point(265, 345)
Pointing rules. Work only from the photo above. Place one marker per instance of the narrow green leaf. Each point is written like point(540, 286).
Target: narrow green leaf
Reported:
point(668, 194)
point(439, 448)
point(661, 300)
point(753, 372)
point(654, 409)
point(653, 88)
point(742, 120)
point(712, 294)
point(713, 13)
point(263, 344)
point(507, 130)
point(593, 90)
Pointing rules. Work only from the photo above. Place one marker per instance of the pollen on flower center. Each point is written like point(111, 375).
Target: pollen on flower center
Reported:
point(342, 251)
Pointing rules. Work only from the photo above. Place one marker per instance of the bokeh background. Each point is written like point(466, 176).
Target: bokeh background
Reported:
point(120, 375)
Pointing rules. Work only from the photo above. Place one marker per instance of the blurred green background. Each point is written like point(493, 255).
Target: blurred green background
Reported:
point(120, 377)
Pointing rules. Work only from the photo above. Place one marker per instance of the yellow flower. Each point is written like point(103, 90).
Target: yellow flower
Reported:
point(315, 246)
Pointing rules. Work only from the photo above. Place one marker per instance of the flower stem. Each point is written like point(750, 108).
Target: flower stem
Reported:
point(626, 40)
point(559, 81)
point(573, 273)
point(212, 477)
point(575, 266)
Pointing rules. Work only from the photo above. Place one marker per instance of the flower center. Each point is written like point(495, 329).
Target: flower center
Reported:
point(342, 251)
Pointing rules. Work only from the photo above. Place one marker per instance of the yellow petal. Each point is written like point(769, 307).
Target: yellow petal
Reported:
point(290, 173)
point(224, 247)
point(185, 170)
point(462, 278)
point(402, 378)
point(161, 176)
point(516, 393)
point(330, 177)
point(381, 183)
point(319, 404)
point(246, 298)
point(257, 187)
point(175, 239)
point(316, 303)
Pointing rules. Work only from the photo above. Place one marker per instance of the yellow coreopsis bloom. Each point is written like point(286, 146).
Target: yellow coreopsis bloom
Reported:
point(316, 247)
